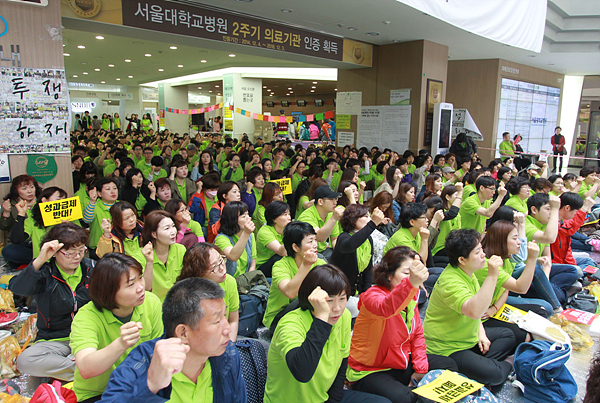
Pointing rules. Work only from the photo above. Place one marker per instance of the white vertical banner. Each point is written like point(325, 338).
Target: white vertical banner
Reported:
point(4, 169)
point(384, 126)
point(569, 110)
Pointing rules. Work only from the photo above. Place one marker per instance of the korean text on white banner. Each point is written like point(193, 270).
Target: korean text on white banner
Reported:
point(386, 126)
point(517, 23)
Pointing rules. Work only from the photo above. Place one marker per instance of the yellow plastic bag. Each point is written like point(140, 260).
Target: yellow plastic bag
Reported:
point(594, 289)
point(26, 331)
point(4, 398)
point(580, 340)
point(7, 303)
point(9, 351)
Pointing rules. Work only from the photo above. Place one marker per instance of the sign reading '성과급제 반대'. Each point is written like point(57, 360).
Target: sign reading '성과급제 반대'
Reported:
point(55, 212)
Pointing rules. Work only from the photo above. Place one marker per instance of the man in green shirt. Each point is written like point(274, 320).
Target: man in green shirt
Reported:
point(477, 208)
point(193, 362)
point(507, 147)
point(591, 184)
point(145, 165)
point(136, 154)
point(453, 325)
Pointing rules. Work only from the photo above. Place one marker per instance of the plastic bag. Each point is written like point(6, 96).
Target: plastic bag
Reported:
point(4, 398)
point(580, 340)
point(9, 351)
point(594, 289)
point(542, 329)
point(7, 303)
point(26, 331)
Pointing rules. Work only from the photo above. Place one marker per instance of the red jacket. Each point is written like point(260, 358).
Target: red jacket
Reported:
point(381, 339)
point(561, 248)
point(558, 145)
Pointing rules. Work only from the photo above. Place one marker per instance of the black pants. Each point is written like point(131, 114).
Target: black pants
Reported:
point(394, 383)
point(441, 258)
point(489, 369)
point(267, 267)
point(559, 155)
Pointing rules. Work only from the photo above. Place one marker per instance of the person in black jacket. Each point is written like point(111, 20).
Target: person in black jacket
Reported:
point(353, 252)
point(58, 279)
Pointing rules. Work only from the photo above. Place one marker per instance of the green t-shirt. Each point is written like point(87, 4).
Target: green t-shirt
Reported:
point(291, 333)
point(145, 168)
point(311, 216)
point(458, 175)
point(161, 174)
point(284, 269)
point(132, 248)
point(266, 235)
point(469, 190)
point(109, 169)
point(185, 391)
point(209, 204)
point(72, 280)
point(164, 276)
point(412, 168)
point(92, 328)
point(302, 200)
point(504, 274)
point(235, 176)
point(196, 228)
point(517, 203)
point(531, 227)
point(296, 179)
point(232, 297)
point(182, 190)
point(445, 228)
point(468, 213)
point(258, 218)
point(84, 198)
point(507, 147)
point(35, 233)
point(403, 237)
point(242, 263)
point(584, 189)
point(446, 329)
point(100, 211)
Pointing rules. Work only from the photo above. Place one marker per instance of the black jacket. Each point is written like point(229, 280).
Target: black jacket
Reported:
point(57, 304)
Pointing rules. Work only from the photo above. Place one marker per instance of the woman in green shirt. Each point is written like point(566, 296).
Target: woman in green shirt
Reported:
point(123, 234)
point(271, 192)
point(105, 122)
point(208, 261)
point(452, 196)
point(519, 188)
point(309, 351)
point(236, 238)
point(269, 240)
point(558, 185)
point(189, 232)
point(146, 122)
point(122, 316)
point(117, 121)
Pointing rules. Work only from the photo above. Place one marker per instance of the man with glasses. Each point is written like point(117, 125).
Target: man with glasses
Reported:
point(145, 165)
point(477, 208)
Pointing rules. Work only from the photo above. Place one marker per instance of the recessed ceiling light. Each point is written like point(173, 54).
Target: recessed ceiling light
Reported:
point(209, 90)
point(99, 37)
point(64, 45)
point(85, 72)
point(352, 28)
point(74, 75)
point(289, 88)
point(180, 65)
point(199, 88)
point(372, 34)
point(231, 55)
point(286, 10)
point(219, 93)
point(271, 95)
point(313, 87)
point(66, 54)
point(83, 62)
point(270, 90)
point(127, 61)
point(335, 89)
point(96, 69)
point(202, 61)
point(81, 46)
point(287, 94)
point(291, 92)
point(118, 79)
point(161, 69)
point(216, 86)
point(588, 106)
point(102, 82)
point(314, 82)
point(312, 90)
point(264, 86)
point(173, 47)
point(397, 40)
point(147, 55)
point(111, 65)
point(129, 76)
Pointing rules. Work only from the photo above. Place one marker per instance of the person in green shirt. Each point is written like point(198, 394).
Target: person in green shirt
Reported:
point(519, 188)
point(507, 147)
point(453, 325)
point(121, 316)
point(256, 177)
point(157, 172)
point(206, 260)
point(136, 154)
point(182, 187)
point(224, 155)
point(465, 166)
point(324, 216)
point(591, 183)
point(270, 248)
point(189, 232)
point(236, 238)
point(231, 170)
point(477, 208)
point(413, 230)
point(102, 197)
point(160, 230)
point(271, 191)
point(145, 164)
point(452, 197)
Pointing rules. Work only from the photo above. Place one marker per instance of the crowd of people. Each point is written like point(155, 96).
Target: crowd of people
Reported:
point(383, 264)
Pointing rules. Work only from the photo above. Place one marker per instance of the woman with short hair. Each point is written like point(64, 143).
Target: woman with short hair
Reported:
point(269, 239)
point(236, 238)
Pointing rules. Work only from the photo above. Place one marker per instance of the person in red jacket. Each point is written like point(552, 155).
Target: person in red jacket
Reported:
point(571, 215)
point(558, 147)
point(388, 354)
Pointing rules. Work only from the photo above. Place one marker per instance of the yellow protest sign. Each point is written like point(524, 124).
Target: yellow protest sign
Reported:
point(55, 212)
point(343, 121)
point(506, 311)
point(285, 184)
point(448, 388)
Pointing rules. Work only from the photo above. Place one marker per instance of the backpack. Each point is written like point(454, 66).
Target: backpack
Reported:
point(480, 396)
point(253, 359)
point(232, 265)
point(53, 393)
point(541, 372)
point(249, 280)
point(251, 311)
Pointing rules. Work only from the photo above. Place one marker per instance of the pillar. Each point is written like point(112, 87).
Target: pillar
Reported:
point(176, 97)
point(246, 94)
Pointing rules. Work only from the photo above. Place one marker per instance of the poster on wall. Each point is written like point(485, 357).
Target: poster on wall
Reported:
point(348, 103)
point(345, 139)
point(400, 97)
point(434, 96)
point(463, 122)
point(4, 169)
point(34, 111)
point(384, 126)
point(530, 110)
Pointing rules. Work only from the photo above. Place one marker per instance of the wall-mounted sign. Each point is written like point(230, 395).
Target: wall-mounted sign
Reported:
point(120, 95)
point(14, 56)
point(5, 28)
point(42, 167)
point(82, 106)
point(81, 85)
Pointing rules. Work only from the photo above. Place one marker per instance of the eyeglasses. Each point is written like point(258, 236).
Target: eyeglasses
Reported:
point(219, 266)
point(423, 217)
point(74, 255)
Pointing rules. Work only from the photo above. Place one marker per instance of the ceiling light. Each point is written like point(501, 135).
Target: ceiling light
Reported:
point(291, 92)
point(74, 75)
point(287, 94)
point(219, 93)
point(96, 69)
point(289, 88)
point(209, 90)
point(335, 89)
point(199, 88)
point(173, 47)
point(372, 34)
point(111, 65)
point(264, 86)
point(352, 28)
point(231, 55)
point(64, 45)
point(102, 82)
point(127, 61)
point(313, 87)
point(588, 106)
point(180, 65)
point(118, 79)
point(81, 46)
point(66, 54)
point(312, 90)
point(271, 95)
point(286, 10)
point(147, 55)
point(83, 62)
point(216, 86)
point(314, 82)
point(85, 72)
point(99, 37)
point(129, 76)
point(397, 40)
point(161, 69)
point(202, 61)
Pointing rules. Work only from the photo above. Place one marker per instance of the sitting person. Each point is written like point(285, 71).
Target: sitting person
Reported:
point(123, 235)
point(207, 261)
point(519, 188)
point(182, 187)
point(204, 198)
point(452, 197)
point(160, 194)
point(58, 279)
point(194, 358)
point(309, 351)
point(121, 317)
point(236, 238)
point(272, 191)
point(160, 231)
point(453, 325)
point(477, 208)
point(385, 361)
point(102, 197)
point(300, 241)
point(189, 232)
point(269, 240)
point(227, 192)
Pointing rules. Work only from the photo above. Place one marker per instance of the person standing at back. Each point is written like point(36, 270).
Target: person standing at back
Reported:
point(558, 148)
